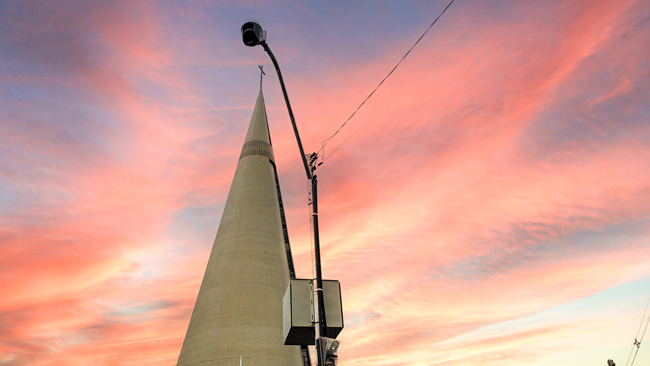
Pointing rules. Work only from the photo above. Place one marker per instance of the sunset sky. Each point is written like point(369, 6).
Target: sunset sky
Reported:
point(490, 203)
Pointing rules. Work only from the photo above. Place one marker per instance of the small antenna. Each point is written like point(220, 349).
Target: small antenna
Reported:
point(261, 75)
point(240, 359)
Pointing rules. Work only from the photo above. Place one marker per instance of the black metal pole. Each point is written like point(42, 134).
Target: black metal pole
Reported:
point(319, 274)
point(286, 99)
point(322, 322)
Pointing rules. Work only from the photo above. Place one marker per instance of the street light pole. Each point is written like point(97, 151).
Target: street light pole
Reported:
point(309, 170)
point(286, 100)
point(253, 35)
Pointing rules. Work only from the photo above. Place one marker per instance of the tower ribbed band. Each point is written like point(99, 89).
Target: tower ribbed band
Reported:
point(257, 147)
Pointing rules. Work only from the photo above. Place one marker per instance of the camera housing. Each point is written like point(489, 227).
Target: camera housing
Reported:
point(329, 348)
point(252, 33)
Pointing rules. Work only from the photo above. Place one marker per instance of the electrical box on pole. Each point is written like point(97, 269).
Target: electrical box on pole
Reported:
point(298, 311)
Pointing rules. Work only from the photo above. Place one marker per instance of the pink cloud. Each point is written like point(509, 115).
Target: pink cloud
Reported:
point(441, 217)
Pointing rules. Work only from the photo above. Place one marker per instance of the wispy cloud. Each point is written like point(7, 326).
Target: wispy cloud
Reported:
point(498, 191)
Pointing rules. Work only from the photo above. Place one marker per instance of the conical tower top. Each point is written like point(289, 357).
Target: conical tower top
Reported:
point(258, 128)
point(238, 312)
point(258, 141)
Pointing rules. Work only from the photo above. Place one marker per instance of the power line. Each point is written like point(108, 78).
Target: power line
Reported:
point(426, 69)
point(389, 74)
point(637, 341)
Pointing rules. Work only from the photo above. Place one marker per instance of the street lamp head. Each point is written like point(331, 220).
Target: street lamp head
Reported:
point(252, 33)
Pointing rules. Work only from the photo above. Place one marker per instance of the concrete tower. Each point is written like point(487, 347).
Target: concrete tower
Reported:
point(238, 312)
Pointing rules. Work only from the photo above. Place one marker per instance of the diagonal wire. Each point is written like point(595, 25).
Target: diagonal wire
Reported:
point(638, 345)
point(384, 107)
point(637, 342)
point(389, 74)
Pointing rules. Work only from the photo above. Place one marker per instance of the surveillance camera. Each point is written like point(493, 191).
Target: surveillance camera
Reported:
point(252, 33)
point(333, 347)
point(329, 350)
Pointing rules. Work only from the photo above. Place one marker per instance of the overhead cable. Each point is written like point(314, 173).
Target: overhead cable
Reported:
point(389, 74)
point(418, 77)
point(637, 341)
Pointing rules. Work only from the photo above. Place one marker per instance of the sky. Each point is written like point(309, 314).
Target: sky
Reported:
point(490, 203)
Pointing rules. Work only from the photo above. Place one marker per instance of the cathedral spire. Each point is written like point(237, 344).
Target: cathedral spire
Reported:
point(238, 312)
